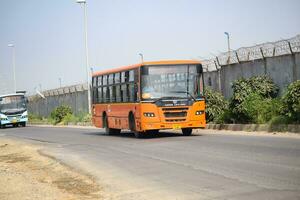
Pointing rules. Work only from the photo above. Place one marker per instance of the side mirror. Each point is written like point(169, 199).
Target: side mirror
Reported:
point(199, 69)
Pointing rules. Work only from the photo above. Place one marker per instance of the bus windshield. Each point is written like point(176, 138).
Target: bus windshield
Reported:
point(171, 81)
point(14, 103)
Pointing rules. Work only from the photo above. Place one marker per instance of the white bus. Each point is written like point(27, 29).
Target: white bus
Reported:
point(13, 110)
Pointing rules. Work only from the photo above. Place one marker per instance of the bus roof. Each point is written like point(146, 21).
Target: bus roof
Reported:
point(14, 94)
point(164, 62)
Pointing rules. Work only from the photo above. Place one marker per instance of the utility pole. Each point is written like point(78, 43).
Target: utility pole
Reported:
point(14, 65)
point(142, 57)
point(59, 79)
point(228, 44)
point(83, 2)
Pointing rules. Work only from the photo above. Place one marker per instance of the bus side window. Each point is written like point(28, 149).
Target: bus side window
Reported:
point(94, 89)
point(110, 79)
point(123, 77)
point(104, 82)
point(124, 92)
point(117, 78)
point(104, 94)
point(111, 89)
point(118, 93)
point(126, 76)
point(99, 99)
point(131, 92)
point(131, 75)
point(99, 82)
point(112, 93)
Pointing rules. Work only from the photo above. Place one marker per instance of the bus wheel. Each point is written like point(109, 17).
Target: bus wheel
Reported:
point(108, 131)
point(132, 127)
point(23, 124)
point(138, 134)
point(152, 133)
point(187, 131)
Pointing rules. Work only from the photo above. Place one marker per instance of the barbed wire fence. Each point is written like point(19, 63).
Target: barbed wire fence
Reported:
point(260, 51)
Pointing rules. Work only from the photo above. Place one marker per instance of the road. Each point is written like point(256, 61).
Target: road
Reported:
point(171, 166)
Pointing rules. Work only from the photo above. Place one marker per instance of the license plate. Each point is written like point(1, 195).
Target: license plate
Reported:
point(14, 120)
point(176, 126)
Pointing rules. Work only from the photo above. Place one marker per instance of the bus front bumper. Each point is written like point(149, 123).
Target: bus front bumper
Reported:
point(161, 126)
point(14, 121)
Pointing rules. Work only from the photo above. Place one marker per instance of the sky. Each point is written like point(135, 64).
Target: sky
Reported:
point(49, 34)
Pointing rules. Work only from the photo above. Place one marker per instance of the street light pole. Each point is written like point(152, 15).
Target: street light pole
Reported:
point(83, 2)
point(142, 57)
point(14, 65)
point(59, 82)
point(228, 43)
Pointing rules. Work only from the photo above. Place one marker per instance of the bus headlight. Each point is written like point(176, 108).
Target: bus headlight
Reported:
point(3, 117)
point(148, 114)
point(199, 112)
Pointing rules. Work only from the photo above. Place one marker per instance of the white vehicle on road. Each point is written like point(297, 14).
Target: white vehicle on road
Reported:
point(13, 110)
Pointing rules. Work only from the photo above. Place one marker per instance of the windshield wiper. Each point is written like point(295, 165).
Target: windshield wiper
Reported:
point(185, 92)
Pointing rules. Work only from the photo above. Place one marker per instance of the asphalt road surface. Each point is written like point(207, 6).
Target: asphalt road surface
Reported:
point(171, 166)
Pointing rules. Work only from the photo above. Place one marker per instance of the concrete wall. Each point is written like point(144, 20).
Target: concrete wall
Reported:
point(74, 96)
point(282, 69)
point(214, 80)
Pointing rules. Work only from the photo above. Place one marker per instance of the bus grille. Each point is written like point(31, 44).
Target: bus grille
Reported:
point(175, 114)
point(175, 120)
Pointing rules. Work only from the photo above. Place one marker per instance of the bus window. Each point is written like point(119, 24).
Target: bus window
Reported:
point(117, 78)
point(131, 92)
point(94, 84)
point(123, 77)
point(99, 81)
point(126, 76)
point(131, 75)
point(112, 94)
point(104, 80)
point(105, 94)
point(118, 93)
point(99, 97)
point(124, 92)
point(111, 79)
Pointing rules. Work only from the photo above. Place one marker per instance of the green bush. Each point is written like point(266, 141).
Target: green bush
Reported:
point(70, 118)
point(34, 117)
point(291, 101)
point(215, 104)
point(259, 109)
point(59, 113)
point(84, 117)
point(262, 86)
point(280, 119)
point(87, 118)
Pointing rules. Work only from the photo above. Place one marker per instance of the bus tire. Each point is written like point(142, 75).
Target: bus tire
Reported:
point(132, 126)
point(108, 131)
point(23, 124)
point(187, 131)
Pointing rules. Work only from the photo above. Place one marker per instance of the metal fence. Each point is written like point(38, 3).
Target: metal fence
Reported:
point(260, 51)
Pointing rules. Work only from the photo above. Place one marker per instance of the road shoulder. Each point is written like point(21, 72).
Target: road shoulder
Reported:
point(26, 173)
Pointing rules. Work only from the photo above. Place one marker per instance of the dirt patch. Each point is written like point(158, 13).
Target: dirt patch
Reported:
point(26, 173)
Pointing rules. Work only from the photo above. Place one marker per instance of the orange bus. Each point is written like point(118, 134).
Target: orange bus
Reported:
point(149, 97)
